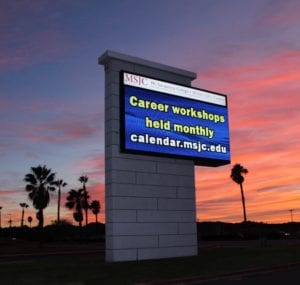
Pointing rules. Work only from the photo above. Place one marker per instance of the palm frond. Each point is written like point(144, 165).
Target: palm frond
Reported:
point(70, 204)
point(83, 179)
point(30, 178)
point(50, 179)
point(51, 188)
point(29, 188)
point(236, 173)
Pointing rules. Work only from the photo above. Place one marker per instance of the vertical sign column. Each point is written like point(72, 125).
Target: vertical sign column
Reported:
point(150, 200)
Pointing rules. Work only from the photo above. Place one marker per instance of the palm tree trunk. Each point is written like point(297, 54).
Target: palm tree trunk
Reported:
point(40, 217)
point(86, 204)
point(243, 201)
point(96, 218)
point(58, 207)
point(86, 214)
point(22, 219)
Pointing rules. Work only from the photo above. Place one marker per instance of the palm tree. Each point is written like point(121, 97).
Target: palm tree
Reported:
point(59, 183)
point(84, 180)
point(23, 206)
point(95, 207)
point(78, 217)
point(40, 181)
point(237, 176)
point(0, 216)
point(75, 200)
point(29, 219)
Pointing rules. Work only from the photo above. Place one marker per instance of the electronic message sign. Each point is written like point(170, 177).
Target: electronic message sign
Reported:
point(166, 119)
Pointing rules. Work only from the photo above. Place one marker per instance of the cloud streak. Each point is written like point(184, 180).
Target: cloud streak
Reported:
point(264, 120)
point(30, 34)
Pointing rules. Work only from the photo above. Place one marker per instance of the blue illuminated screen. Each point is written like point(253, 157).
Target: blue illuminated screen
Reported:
point(164, 124)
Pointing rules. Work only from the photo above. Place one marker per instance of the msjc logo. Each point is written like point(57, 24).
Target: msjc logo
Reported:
point(133, 79)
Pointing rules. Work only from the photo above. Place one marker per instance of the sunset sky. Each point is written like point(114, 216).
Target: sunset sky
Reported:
point(52, 93)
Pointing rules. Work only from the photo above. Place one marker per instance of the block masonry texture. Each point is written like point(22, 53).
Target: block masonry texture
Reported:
point(150, 200)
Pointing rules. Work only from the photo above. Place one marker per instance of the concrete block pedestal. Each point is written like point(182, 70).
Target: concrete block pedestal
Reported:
point(150, 201)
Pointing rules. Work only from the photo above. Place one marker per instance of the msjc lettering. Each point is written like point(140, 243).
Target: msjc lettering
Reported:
point(134, 80)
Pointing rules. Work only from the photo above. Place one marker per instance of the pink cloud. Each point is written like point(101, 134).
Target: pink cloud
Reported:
point(25, 42)
point(65, 130)
point(263, 102)
point(264, 106)
point(91, 165)
point(280, 14)
point(255, 74)
point(266, 189)
point(35, 47)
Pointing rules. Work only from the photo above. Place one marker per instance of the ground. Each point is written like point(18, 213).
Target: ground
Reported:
point(83, 263)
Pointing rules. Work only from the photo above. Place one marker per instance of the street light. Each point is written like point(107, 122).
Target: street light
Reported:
point(291, 210)
point(9, 221)
point(0, 216)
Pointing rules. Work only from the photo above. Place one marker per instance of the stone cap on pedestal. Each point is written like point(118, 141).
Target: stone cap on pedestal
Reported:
point(108, 55)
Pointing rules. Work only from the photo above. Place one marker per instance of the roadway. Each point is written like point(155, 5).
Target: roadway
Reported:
point(281, 277)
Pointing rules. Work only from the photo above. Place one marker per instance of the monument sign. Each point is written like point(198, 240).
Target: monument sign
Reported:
point(157, 127)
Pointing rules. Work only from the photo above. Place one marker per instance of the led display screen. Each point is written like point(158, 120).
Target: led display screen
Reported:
point(166, 119)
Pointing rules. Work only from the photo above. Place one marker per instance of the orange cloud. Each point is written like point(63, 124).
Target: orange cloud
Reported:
point(264, 116)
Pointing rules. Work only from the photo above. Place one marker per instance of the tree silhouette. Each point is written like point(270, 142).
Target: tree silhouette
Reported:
point(237, 176)
point(40, 181)
point(23, 206)
point(78, 217)
point(29, 219)
point(59, 183)
point(95, 207)
point(84, 180)
point(75, 200)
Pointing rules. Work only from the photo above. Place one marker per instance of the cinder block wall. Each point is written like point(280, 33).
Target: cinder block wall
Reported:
point(150, 201)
